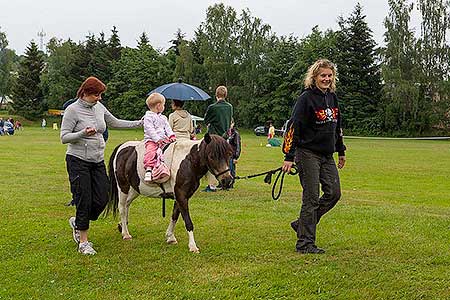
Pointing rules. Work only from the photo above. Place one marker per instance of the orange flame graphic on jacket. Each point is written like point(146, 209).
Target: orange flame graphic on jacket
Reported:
point(321, 115)
point(288, 138)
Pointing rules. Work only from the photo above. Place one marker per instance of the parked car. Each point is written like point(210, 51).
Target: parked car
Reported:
point(262, 130)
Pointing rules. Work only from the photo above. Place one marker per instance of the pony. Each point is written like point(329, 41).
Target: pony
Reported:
point(188, 162)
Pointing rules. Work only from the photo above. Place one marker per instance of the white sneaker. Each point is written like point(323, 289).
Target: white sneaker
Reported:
point(148, 176)
point(86, 248)
point(75, 233)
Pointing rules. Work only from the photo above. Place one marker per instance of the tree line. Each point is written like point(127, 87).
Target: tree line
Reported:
point(401, 88)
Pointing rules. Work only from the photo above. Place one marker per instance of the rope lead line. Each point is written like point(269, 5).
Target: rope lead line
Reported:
point(268, 179)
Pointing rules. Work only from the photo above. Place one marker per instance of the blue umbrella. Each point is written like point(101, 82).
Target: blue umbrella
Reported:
point(181, 91)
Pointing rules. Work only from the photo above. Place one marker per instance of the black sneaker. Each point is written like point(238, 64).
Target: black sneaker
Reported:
point(311, 250)
point(294, 225)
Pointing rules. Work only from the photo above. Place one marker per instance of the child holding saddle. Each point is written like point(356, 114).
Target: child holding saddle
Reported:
point(157, 133)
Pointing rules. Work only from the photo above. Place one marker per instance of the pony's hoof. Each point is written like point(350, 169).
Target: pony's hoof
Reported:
point(127, 237)
point(172, 241)
point(194, 250)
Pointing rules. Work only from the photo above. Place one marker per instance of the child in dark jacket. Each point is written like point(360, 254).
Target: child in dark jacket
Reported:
point(234, 139)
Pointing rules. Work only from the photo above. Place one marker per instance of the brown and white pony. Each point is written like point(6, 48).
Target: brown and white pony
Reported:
point(188, 162)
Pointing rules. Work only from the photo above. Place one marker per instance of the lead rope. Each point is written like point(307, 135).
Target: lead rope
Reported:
point(268, 179)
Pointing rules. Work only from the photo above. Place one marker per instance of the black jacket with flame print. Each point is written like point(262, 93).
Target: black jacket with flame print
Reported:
point(315, 124)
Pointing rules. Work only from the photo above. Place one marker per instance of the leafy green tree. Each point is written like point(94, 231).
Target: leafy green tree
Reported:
point(190, 67)
point(280, 84)
point(314, 46)
point(435, 57)
point(7, 60)
point(69, 64)
point(27, 92)
point(59, 80)
point(359, 74)
point(405, 110)
point(219, 45)
point(137, 72)
point(288, 60)
point(253, 43)
point(232, 50)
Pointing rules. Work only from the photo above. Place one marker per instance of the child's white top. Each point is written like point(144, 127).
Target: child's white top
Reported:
point(156, 127)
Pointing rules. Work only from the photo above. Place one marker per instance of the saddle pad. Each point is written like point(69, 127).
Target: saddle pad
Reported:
point(140, 149)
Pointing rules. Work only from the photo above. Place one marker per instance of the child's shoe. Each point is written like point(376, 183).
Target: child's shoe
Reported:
point(148, 176)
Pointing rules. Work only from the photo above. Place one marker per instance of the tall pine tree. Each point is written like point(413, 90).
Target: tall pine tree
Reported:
point(27, 92)
point(359, 74)
point(114, 46)
point(143, 41)
point(177, 41)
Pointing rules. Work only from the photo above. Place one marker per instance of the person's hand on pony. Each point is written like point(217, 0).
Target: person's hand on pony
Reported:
point(161, 143)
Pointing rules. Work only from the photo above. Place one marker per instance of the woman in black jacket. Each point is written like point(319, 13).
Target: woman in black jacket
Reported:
point(314, 134)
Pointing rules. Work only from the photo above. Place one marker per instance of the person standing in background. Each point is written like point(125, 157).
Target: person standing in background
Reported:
point(218, 119)
point(234, 139)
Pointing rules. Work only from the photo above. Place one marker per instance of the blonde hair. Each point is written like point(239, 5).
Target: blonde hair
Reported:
point(154, 99)
point(314, 71)
point(221, 92)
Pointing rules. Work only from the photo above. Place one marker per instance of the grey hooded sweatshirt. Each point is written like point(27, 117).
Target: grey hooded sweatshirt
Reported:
point(82, 114)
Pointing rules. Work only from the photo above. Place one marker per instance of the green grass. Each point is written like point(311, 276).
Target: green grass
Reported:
point(388, 237)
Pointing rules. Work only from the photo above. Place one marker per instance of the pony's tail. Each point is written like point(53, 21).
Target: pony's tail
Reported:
point(113, 201)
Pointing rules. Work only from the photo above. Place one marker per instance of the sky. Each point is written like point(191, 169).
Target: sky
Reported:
point(160, 19)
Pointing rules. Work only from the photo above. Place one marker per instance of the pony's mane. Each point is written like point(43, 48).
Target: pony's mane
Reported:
point(218, 148)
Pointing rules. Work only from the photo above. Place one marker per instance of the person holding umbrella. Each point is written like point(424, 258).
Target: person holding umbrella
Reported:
point(181, 121)
point(218, 119)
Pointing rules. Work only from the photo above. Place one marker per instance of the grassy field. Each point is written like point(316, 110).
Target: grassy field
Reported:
point(388, 237)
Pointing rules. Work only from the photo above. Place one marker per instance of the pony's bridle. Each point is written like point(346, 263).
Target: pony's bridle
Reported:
point(218, 174)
